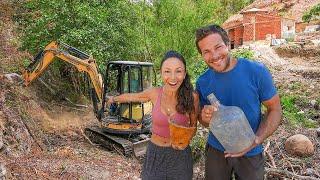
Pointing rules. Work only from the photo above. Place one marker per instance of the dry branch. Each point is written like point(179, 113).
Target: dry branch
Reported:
point(281, 173)
point(271, 159)
point(85, 136)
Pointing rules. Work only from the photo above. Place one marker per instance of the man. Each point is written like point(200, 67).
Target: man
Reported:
point(235, 82)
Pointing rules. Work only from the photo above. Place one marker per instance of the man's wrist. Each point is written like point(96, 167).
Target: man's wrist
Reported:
point(258, 140)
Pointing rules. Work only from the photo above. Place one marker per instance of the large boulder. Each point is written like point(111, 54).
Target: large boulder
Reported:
point(299, 145)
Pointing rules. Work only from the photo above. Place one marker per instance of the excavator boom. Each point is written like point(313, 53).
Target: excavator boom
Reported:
point(82, 61)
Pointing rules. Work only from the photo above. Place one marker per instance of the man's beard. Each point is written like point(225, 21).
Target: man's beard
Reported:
point(228, 63)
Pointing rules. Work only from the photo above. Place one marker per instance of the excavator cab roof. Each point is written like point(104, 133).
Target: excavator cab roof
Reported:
point(131, 63)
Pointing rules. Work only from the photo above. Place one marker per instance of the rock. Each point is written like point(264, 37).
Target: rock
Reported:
point(1, 132)
point(299, 145)
point(300, 112)
point(313, 102)
point(13, 77)
point(1, 141)
point(318, 132)
point(3, 171)
point(310, 172)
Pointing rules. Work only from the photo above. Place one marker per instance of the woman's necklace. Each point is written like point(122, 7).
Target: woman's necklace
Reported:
point(166, 105)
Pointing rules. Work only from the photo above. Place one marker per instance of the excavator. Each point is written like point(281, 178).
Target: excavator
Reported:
point(123, 127)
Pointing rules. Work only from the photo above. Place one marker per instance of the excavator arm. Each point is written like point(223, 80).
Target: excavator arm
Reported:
point(82, 61)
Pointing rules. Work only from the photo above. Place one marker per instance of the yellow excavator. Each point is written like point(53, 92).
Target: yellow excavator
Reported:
point(124, 127)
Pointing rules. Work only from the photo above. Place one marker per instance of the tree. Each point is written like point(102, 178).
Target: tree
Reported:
point(104, 29)
point(312, 14)
point(124, 29)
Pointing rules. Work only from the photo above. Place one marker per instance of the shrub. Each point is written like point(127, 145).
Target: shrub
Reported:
point(243, 53)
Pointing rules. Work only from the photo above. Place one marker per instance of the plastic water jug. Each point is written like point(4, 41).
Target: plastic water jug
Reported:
point(230, 126)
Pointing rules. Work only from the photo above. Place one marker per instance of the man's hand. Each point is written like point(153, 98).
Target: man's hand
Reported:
point(256, 142)
point(206, 113)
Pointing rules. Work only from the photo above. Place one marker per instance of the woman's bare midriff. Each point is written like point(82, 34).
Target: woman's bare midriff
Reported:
point(160, 141)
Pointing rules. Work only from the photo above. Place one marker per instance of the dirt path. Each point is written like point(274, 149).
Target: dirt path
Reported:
point(289, 71)
point(46, 142)
point(66, 153)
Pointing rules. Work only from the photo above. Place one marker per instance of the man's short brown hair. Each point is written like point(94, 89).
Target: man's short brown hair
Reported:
point(205, 31)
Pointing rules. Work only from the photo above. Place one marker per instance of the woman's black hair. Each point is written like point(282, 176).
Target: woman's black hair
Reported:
point(185, 92)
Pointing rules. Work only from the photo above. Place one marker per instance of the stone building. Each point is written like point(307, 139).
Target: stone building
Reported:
point(258, 24)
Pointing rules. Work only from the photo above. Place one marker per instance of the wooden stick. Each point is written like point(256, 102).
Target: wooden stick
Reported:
point(77, 105)
point(288, 174)
point(269, 164)
point(47, 86)
point(291, 167)
point(85, 136)
point(267, 147)
point(271, 159)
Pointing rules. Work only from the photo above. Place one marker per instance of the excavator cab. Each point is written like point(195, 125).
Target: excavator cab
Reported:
point(126, 124)
point(127, 77)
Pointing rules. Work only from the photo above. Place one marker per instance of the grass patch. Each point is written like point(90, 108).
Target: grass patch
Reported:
point(25, 62)
point(242, 53)
point(295, 86)
point(293, 113)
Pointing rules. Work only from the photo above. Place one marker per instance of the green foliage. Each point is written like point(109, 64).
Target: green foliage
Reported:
point(172, 26)
point(122, 30)
point(101, 28)
point(197, 67)
point(312, 14)
point(292, 113)
point(25, 62)
point(295, 86)
point(198, 145)
point(243, 53)
point(291, 39)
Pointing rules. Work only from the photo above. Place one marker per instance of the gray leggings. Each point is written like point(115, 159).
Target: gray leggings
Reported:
point(162, 163)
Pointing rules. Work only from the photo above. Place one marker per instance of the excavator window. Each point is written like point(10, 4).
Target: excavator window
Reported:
point(133, 79)
point(147, 73)
point(128, 78)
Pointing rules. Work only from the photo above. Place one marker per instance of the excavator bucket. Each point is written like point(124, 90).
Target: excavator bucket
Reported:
point(140, 148)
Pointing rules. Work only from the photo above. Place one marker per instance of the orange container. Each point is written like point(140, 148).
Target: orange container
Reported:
point(180, 136)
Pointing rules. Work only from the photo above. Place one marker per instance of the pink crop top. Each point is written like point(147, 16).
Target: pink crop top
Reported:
point(160, 121)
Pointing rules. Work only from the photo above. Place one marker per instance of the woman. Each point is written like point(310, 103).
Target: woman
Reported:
point(175, 99)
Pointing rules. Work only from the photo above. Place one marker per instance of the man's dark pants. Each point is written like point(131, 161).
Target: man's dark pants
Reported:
point(244, 168)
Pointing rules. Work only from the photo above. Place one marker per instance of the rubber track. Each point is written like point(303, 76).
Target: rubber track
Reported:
point(111, 142)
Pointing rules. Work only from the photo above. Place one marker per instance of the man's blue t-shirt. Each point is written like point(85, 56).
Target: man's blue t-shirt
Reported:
point(247, 85)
